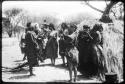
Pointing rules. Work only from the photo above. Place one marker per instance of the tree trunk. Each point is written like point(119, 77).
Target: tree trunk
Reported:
point(105, 16)
point(10, 34)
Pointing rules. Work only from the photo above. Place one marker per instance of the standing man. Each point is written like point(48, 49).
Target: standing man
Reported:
point(31, 48)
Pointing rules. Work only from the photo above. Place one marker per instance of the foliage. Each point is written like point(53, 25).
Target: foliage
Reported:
point(117, 11)
point(14, 17)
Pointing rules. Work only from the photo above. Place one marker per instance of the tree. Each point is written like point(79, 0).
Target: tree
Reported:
point(117, 11)
point(40, 19)
point(14, 17)
point(105, 13)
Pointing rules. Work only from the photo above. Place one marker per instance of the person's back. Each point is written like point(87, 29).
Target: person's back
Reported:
point(31, 47)
point(30, 39)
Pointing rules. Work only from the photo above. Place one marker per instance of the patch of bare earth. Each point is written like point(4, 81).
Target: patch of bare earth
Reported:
point(12, 57)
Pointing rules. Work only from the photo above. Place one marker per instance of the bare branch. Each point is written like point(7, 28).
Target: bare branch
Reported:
point(114, 13)
point(118, 5)
point(94, 7)
point(106, 2)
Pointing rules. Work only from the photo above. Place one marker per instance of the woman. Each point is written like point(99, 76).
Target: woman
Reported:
point(31, 47)
point(52, 47)
point(96, 51)
point(84, 40)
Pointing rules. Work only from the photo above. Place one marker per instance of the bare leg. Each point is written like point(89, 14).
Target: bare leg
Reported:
point(40, 58)
point(54, 61)
point(101, 76)
point(75, 73)
point(66, 61)
point(63, 60)
point(70, 72)
point(30, 70)
point(51, 61)
point(24, 58)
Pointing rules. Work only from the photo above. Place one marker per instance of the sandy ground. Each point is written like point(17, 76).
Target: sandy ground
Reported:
point(12, 57)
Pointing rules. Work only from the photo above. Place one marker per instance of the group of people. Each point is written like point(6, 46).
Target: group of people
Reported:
point(33, 41)
point(90, 46)
point(82, 49)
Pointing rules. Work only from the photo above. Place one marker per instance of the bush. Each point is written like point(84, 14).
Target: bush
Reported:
point(113, 48)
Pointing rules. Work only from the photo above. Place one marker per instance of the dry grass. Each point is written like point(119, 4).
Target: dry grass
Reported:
point(112, 46)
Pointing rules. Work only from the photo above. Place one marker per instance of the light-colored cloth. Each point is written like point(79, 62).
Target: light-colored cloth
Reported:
point(53, 33)
point(66, 32)
point(73, 35)
point(36, 26)
point(74, 59)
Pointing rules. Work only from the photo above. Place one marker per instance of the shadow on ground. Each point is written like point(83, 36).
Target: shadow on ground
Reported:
point(82, 77)
point(20, 71)
point(79, 78)
point(59, 81)
point(18, 60)
point(60, 66)
point(16, 71)
point(20, 77)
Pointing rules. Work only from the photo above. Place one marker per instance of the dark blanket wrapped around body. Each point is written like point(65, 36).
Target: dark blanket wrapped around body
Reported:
point(52, 48)
point(31, 48)
point(91, 58)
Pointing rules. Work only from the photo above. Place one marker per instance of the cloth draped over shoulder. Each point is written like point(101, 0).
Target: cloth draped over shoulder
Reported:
point(31, 47)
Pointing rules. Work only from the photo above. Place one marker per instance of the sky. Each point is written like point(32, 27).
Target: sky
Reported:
point(60, 9)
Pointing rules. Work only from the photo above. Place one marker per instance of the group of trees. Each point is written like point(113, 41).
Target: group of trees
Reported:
point(16, 16)
point(15, 20)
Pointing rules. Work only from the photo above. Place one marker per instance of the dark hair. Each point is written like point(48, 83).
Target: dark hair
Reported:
point(51, 26)
point(44, 20)
point(64, 26)
point(30, 29)
point(73, 26)
point(86, 27)
point(97, 27)
point(28, 24)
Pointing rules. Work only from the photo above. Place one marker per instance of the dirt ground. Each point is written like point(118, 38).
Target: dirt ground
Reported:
point(12, 57)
